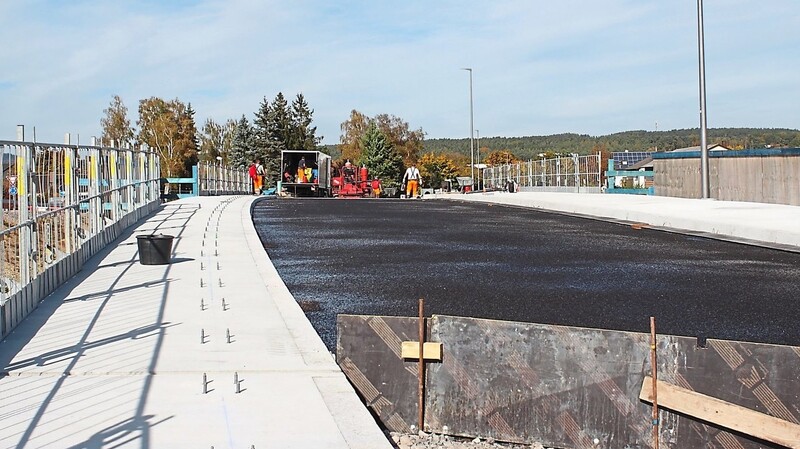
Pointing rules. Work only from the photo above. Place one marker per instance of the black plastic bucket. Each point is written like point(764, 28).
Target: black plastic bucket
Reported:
point(154, 249)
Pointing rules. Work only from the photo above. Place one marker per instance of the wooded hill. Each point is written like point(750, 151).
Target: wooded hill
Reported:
point(529, 147)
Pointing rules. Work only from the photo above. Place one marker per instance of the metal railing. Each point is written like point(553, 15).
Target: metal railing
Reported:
point(218, 179)
point(58, 197)
point(580, 174)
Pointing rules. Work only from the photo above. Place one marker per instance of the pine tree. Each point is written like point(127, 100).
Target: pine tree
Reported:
point(380, 158)
point(189, 139)
point(242, 148)
point(302, 136)
point(278, 134)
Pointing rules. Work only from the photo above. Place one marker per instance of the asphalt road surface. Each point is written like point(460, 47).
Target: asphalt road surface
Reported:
point(377, 257)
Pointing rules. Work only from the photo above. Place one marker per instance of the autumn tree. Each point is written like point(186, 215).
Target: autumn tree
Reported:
point(117, 130)
point(380, 158)
point(215, 140)
point(168, 128)
point(353, 130)
point(406, 142)
point(435, 168)
point(500, 157)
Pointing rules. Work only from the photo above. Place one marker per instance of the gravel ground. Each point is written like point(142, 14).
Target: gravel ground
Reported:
point(434, 441)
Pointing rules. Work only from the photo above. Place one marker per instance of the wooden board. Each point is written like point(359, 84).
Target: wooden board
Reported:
point(430, 350)
point(723, 413)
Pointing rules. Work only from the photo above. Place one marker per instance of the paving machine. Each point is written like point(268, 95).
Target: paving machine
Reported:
point(353, 182)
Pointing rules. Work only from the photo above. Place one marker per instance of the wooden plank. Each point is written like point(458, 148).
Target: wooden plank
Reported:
point(430, 350)
point(722, 413)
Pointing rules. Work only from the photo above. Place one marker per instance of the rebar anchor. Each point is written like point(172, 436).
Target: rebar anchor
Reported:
point(237, 383)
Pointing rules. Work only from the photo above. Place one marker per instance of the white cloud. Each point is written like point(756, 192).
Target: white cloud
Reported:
point(540, 67)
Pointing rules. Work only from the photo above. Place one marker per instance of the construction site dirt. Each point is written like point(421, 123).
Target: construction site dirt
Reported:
point(378, 257)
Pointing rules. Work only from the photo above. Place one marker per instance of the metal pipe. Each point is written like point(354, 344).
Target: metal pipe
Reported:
point(471, 132)
point(704, 181)
point(654, 370)
point(421, 366)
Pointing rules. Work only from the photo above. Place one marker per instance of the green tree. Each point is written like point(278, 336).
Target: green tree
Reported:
point(242, 147)
point(117, 130)
point(302, 134)
point(262, 137)
point(279, 131)
point(408, 143)
point(380, 158)
point(189, 141)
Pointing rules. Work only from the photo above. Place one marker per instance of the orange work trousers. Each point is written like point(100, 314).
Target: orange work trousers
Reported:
point(257, 183)
point(412, 188)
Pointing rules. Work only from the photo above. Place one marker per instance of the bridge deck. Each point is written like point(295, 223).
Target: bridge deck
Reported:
point(114, 357)
point(117, 356)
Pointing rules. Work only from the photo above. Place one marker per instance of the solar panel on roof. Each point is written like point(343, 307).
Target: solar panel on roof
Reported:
point(628, 158)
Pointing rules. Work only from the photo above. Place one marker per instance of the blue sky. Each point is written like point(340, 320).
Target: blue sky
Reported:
point(539, 67)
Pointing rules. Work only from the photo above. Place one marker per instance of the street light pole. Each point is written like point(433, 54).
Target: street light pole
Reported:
point(704, 182)
point(471, 132)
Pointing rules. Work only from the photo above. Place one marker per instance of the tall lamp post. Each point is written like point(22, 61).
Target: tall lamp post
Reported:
point(471, 132)
point(704, 182)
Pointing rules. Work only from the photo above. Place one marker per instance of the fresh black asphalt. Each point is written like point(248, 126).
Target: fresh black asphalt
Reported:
point(377, 257)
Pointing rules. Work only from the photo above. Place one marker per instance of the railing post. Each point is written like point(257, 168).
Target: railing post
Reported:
point(196, 181)
point(152, 177)
point(114, 184)
point(96, 203)
point(23, 159)
point(575, 170)
point(129, 190)
point(69, 199)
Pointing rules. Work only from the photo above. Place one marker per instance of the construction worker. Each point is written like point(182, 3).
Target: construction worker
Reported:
point(412, 180)
point(261, 174)
point(301, 170)
point(253, 172)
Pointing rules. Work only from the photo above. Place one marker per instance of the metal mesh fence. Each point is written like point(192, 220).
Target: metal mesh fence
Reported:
point(56, 197)
point(569, 174)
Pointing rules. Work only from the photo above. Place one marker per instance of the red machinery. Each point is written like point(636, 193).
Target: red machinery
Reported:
point(350, 182)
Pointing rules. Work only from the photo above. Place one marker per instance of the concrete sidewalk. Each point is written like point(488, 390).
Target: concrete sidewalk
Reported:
point(772, 225)
point(127, 355)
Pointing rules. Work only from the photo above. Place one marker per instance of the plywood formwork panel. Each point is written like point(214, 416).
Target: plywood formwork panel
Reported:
point(562, 386)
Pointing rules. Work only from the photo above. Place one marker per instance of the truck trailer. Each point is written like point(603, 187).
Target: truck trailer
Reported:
point(305, 173)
